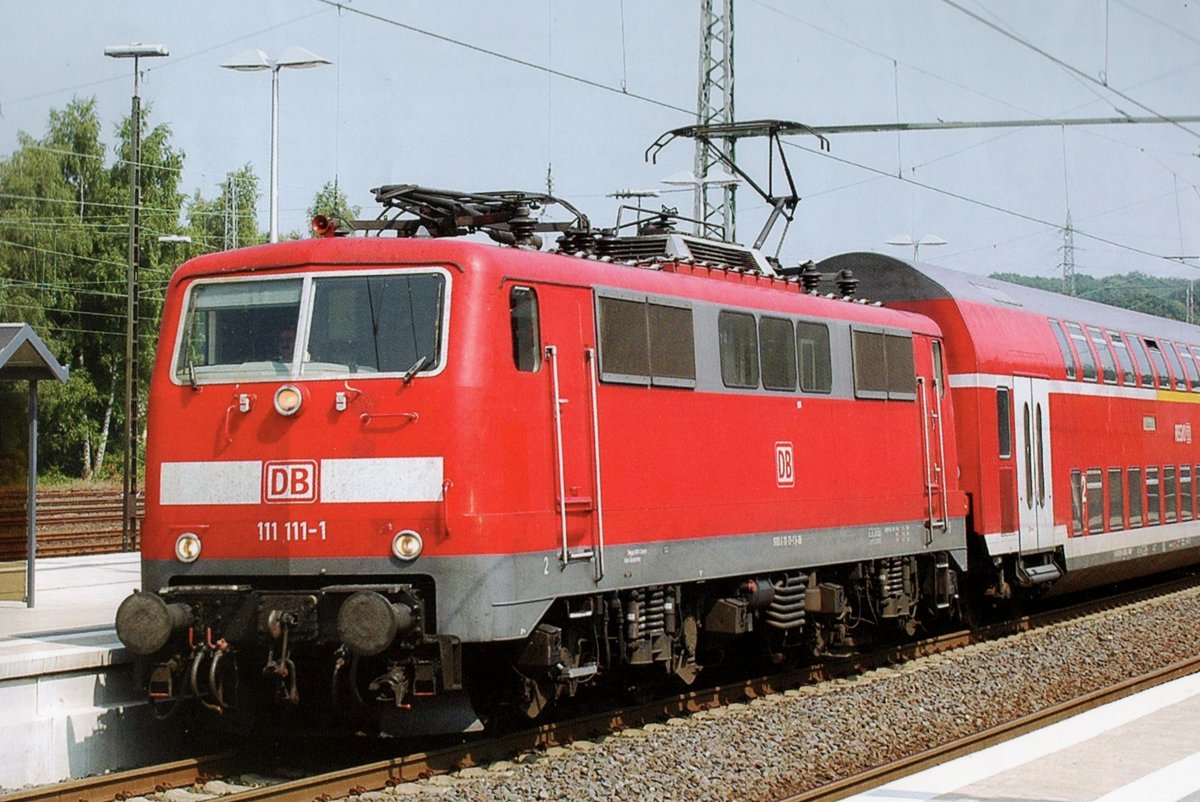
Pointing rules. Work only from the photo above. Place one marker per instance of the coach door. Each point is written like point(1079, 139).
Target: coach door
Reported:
point(933, 443)
point(569, 351)
point(1035, 495)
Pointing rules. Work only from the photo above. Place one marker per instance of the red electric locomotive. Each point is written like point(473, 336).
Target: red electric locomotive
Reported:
point(408, 478)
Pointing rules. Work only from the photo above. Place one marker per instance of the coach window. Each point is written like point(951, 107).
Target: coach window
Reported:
point(1134, 484)
point(1169, 495)
point(1108, 365)
point(1064, 347)
point(1189, 365)
point(1122, 352)
point(1116, 500)
point(812, 348)
point(1153, 504)
point(1095, 500)
point(523, 318)
point(739, 349)
point(1160, 364)
point(778, 347)
point(1077, 501)
point(1087, 360)
point(1139, 356)
point(1176, 365)
point(1004, 421)
point(1185, 493)
point(1195, 352)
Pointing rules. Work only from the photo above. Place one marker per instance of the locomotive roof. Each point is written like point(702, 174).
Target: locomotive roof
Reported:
point(685, 278)
point(895, 280)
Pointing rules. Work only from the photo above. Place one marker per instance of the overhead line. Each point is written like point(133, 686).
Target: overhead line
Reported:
point(1068, 67)
point(512, 59)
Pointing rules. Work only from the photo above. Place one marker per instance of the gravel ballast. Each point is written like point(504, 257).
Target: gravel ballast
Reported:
point(803, 738)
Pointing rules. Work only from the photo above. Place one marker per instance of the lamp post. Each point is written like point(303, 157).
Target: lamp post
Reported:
point(905, 240)
point(134, 51)
point(256, 61)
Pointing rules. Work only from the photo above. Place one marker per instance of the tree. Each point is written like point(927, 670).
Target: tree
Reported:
point(64, 217)
point(228, 220)
point(1164, 297)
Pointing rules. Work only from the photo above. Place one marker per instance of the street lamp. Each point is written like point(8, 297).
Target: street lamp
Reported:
point(256, 61)
point(928, 239)
point(134, 51)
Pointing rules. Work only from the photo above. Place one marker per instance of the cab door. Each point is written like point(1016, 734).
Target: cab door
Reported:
point(1035, 493)
point(569, 351)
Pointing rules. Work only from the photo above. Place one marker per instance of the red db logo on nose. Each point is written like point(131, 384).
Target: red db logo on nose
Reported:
point(292, 481)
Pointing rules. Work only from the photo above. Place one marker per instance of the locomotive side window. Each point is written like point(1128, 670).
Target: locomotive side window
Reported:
point(883, 365)
point(526, 334)
point(739, 349)
point(1064, 347)
point(643, 342)
point(1004, 421)
point(624, 341)
point(375, 324)
point(1122, 352)
point(902, 375)
point(1095, 500)
point(1143, 362)
point(1087, 361)
point(239, 329)
point(672, 345)
point(939, 370)
point(1160, 364)
point(812, 347)
point(1116, 499)
point(1108, 364)
point(1153, 504)
point(1135, 497)
point(778, 347)
point(870, 364)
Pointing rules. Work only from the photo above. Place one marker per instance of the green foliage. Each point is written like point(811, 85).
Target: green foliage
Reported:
point(1164, 297)
point(229, 219)
point(332, 202)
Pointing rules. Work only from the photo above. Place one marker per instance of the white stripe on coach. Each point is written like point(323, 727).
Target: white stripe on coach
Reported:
point(382, 479)
point(228, 482)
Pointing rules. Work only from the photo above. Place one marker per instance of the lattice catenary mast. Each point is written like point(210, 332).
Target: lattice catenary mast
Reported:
point(714, 107)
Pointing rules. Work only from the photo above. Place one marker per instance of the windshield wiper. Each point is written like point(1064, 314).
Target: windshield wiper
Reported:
point(416, 367)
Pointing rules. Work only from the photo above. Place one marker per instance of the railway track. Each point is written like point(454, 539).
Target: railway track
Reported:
point(376, 775)
point(69, 523)
point(891, 772)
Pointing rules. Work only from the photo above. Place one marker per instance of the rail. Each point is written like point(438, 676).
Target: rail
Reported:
point(356, 780)
point(69, 523)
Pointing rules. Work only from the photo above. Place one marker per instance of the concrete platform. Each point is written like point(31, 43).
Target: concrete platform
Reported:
point(70, 704)
point(1144, 748)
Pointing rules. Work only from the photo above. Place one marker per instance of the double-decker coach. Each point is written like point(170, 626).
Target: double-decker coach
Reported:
point(1074, 424)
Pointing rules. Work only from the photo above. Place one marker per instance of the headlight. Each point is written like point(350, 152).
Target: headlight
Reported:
point(288, 399)
point(187, 547)
point(407, 545)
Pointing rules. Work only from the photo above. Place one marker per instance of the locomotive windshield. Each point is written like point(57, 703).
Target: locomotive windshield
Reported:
point(244, 330)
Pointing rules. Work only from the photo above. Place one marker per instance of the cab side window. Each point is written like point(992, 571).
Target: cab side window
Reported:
point(526, 338)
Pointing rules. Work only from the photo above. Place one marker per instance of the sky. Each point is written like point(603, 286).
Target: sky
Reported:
point(476, 95)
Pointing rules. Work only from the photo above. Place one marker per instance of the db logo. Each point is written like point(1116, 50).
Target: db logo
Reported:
point(291, 481)
point(785, 465)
